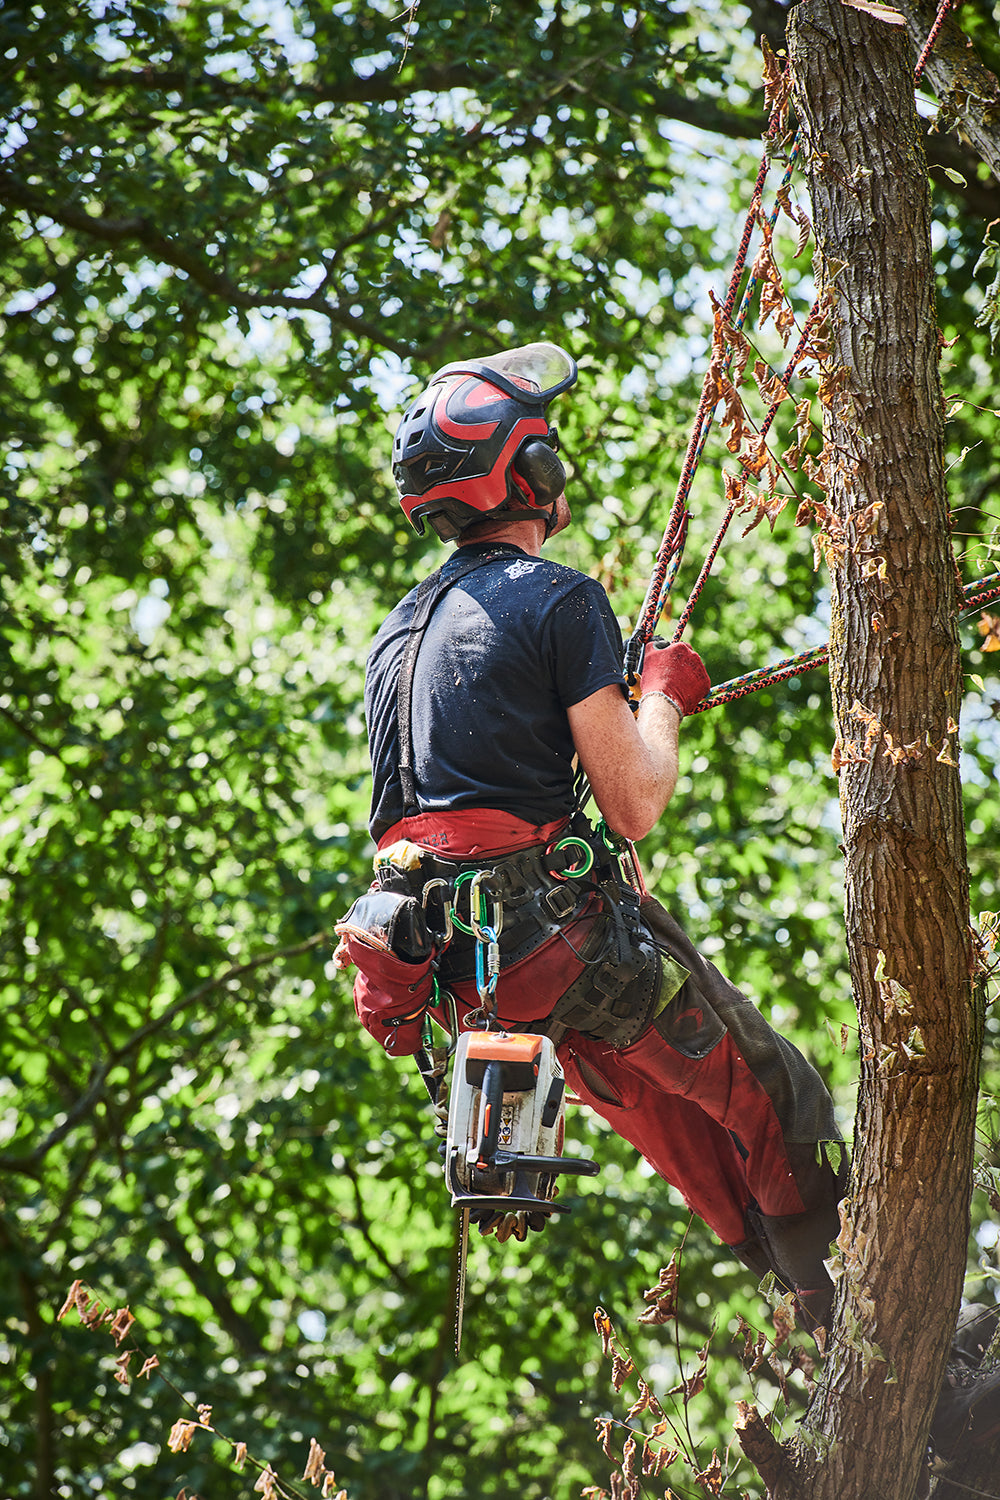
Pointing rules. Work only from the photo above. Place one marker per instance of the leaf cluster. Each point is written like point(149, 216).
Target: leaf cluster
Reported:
point(232, 241)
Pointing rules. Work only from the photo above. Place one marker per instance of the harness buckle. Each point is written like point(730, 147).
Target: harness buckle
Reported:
point(560, 901)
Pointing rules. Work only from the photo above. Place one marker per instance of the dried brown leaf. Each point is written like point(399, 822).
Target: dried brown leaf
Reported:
point(181, 1434)
point(784, 1319)
point(989, 629)
point(315, 1463)
point(605, 1328)
point(710, 1479)
point(901, 754)
point(735, 489)
point(733, 414)
point(777, 1366)
point(801, 1359)
point(846, 753)
point(630, 1471)
point(644, 1401)
point(266, 1484)
point(621, 1369)
point(121, 1325)
point(772, 387)
point(887, 13)
point(816, 470)
point(655, 1460)
point(864, 522)
point(768, 276)
point(72, 1300)
point(663, 1296)
point(774, 77)
point(805, 230)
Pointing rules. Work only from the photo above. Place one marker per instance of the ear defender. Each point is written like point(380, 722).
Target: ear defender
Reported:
point(538, 471)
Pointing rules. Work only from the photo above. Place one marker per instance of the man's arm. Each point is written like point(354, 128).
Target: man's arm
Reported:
point(631, 762)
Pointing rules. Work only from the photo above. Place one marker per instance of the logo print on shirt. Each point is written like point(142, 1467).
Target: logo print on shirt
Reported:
point(519, 569)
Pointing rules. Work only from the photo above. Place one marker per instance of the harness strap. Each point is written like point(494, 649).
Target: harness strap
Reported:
point(429, 595)
point(538, 895)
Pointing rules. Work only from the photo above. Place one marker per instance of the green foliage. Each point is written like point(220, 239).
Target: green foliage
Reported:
point(232, 238)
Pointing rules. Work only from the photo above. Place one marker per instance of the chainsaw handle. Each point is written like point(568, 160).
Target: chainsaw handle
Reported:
point(576, 1166)
point(490, 1109)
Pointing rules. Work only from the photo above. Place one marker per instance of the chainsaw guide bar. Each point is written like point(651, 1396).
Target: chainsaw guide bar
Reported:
point(506, 1128)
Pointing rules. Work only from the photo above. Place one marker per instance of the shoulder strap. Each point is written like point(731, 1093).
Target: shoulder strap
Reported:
point(429, 595)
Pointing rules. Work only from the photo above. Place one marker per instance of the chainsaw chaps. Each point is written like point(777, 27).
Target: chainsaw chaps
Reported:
point(506, 1126)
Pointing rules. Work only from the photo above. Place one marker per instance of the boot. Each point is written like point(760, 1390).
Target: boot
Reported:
point(974, 1331)
point(967, 1414)
point(795, 1247)
point(968, 1410)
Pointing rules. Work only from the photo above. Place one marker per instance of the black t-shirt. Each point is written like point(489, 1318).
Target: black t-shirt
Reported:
point(507, 651)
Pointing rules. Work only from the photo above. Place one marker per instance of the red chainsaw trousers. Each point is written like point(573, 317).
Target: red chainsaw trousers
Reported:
point(685, 1118)
point(720, 1105)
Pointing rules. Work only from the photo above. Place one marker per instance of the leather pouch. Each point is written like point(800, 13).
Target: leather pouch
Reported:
point(390, 921)
point(386, 936)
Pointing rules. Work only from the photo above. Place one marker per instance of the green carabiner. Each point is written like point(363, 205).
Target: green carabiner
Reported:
point(456, 919)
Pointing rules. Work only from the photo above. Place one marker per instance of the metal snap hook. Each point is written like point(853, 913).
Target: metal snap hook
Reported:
point(446, 906)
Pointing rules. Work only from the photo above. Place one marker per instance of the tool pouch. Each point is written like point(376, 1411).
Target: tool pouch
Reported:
point(625, 983)
point(385, 935)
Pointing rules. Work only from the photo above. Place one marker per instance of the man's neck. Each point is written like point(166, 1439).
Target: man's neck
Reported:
point(528, 535)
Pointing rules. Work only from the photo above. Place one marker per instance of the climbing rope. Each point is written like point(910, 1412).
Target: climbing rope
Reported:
point(974, 596)
point(932, 37)
point(670, 553)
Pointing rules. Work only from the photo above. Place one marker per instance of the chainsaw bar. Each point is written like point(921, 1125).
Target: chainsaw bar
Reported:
point(463, 1256)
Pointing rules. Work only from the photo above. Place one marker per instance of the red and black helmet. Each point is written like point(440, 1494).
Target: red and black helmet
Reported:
point(477, 441)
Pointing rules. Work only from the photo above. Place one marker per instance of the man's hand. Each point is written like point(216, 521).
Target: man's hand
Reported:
point(677, 672)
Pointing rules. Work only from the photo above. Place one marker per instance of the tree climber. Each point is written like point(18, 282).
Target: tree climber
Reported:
point(491, 691)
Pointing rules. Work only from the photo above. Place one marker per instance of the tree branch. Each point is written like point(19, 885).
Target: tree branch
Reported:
point(968, 92)
point(88, 1101)
point(138, 229)
point(762, 1448)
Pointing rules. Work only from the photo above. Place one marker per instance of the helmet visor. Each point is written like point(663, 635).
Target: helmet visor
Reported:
point(535, 372)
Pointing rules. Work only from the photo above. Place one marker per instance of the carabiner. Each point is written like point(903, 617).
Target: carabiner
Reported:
point(487, 961)
point(458, 882)
point(433, 885)
point(493, 920)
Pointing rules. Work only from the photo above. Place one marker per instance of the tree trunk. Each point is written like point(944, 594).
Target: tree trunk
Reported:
point(896, 675)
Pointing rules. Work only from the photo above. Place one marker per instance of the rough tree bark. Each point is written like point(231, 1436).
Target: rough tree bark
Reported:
point(896, 675)
point(968, 93)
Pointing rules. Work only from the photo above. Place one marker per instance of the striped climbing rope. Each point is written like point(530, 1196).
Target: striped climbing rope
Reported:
point(974, 596)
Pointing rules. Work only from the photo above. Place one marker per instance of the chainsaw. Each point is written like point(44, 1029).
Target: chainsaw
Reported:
point(506, 1127)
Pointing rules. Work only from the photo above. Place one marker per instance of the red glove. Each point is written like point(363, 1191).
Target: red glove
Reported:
point(677, 672)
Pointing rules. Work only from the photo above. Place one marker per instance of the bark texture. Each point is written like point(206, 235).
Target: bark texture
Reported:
point(968, 93)
point(896, 674)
